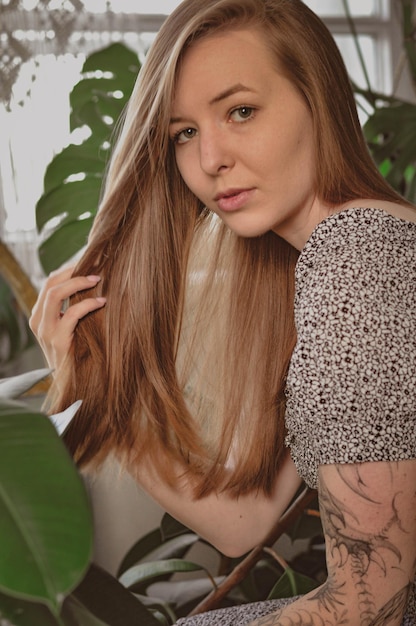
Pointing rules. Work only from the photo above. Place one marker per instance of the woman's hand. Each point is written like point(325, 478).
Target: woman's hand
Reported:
point(54, 327)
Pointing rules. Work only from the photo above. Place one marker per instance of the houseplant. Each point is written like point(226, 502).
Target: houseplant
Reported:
point(47, 577)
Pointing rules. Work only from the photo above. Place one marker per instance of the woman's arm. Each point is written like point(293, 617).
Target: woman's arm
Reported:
point(369, 517)
point(233, 525)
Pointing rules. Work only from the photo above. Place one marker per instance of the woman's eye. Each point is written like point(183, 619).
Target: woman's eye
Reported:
point(184, 135)
point(242, 114)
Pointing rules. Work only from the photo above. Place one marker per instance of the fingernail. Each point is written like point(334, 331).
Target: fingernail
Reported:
point(94, 279)
point(101, 300)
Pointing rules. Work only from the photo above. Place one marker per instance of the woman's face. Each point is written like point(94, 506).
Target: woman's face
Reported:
point(243, 137)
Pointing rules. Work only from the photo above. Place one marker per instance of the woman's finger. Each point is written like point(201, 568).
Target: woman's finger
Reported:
point(53, 320)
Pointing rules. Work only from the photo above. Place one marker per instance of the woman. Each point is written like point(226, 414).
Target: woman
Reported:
point(217, 375)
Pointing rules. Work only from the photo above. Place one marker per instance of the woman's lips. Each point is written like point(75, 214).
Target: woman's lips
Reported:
point(233, 199)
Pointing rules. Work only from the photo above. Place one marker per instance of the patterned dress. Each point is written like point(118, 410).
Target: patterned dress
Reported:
point(351, 387)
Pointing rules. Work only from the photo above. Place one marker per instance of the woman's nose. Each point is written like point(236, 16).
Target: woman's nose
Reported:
point(215, 153)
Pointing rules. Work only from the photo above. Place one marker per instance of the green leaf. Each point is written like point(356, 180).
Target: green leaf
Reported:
point(87, 89)
point(179, 593)
point(116, 58)
point(123, 66)
point(76, 614)
point(87, 158)
point(173, 548)
point(17, 612)
point(170, 527)
point(107, 105)
point(15, 386)
point(108, 600)
point(70, 200)
point(95, 101)
point(139, 550)
point(90, 115)
point(291, 584)
point(390, 133)
point(63, 244)
point(145, 572)
point(306, 526)
point(157, 605)
point(45, 516)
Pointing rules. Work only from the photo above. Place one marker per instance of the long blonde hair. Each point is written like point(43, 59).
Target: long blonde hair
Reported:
point(187, 361)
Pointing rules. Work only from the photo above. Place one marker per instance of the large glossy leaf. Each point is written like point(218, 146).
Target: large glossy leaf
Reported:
point(74, 613)
point(102, 109)
point(64, 243)
point(71, 200)
point(97, 101)
point(45, 515)
point(116, 58)
point(291, 584)
point(90, 114)
point(18, 612)
point(170, 527)
point(89, 158)
point(103, 596)
point(88, 88)
point(122, 66)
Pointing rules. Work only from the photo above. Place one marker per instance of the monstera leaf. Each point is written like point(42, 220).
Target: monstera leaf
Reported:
point(73, 179)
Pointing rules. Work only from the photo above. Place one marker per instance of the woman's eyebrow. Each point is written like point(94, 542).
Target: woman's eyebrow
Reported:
point(230, 92)
point(238, 87)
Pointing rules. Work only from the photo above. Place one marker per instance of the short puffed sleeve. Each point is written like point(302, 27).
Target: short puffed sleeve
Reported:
point(351, 386)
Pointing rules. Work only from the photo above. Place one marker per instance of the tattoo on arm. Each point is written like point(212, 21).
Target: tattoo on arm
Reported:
point(393, 610)
point(368, 516)
point(350, 545)
point(347, 535)
point(298, 617)
point(389, 614)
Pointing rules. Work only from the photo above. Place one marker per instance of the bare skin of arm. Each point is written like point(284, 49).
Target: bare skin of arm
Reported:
point(232, 525)
point(369, 516)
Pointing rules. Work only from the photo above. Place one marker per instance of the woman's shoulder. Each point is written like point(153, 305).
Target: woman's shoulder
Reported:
point(405, 212)
point(364, 238)
point(361, 261)
point(360, 219)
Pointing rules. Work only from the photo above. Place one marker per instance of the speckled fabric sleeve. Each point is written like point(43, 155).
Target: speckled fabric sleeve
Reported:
point(351, 389)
